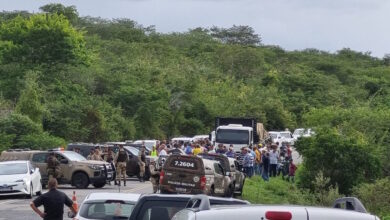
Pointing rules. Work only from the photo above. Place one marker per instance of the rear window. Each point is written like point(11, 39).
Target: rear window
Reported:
point(160, 210)
point(184, 163)
point(223, 161)
point(108, 210)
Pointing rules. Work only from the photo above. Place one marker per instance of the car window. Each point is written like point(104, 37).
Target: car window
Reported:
point(39, 158)
point(160, 210)
point(13, 168)
point(218, 168)
point(107, 210)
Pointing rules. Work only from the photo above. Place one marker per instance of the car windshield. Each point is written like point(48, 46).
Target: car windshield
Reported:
point(133, 150)
point(73, 156)
point(273, 135)
point(107, 210)
point(229, 136)
point(285, 135)
point(13, 168)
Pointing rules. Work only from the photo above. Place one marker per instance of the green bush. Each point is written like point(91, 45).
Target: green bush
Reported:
point(375, 197)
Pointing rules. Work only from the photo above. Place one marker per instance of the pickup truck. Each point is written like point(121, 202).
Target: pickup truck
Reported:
point(164, 207)
point(199, 208)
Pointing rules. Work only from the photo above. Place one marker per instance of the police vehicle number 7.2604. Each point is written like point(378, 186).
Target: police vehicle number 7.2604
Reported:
point(184, 164)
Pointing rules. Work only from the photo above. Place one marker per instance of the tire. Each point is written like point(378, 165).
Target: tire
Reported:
point(241, 188)
point(99, 184)
point(80, 180)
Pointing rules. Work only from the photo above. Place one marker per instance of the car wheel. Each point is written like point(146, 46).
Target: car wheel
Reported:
point(99, 184)
point(241, 188)
point(80, 180)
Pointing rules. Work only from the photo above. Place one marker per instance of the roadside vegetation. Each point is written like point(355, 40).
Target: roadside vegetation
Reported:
point(67, 78)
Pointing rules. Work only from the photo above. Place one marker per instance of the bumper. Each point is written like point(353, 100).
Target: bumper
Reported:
point(15, 189)
point(168, 189)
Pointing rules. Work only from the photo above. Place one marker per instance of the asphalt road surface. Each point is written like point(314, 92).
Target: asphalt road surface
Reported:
point(18, 207)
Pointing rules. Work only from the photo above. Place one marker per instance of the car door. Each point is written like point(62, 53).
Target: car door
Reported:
point(39, 160)
point(65, 163)
point(219, 179)
point(35, 176)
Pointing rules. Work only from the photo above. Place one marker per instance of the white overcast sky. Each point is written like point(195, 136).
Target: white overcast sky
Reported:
point(328, 25)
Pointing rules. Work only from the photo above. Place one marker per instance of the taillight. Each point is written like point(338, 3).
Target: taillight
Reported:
point(162, 176)
point(202, 182)
point(278, 215)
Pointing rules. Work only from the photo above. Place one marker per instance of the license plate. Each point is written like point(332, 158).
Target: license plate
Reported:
point(6, 189)
point(182, 190)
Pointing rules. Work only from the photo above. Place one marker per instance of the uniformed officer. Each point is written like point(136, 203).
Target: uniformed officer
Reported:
point(141, 163)
point(53, 166)
point(96, 155)
point(109, 158)
point(154, 175)
point(121, 159)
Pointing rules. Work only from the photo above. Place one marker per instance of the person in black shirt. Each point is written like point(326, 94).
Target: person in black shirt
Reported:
point(53, 203)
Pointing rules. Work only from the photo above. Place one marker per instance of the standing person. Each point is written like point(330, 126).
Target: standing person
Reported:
point(91, 153)
point(197, 150)
point(211, 149)
point(53, 202)
point(257, 166)
point(231, 153)
point(96, 155)
point(289, 152)
point(291, 172)
point(121, 159)
point(188, 149)
point(163, 151)
point(246, 162)
point(153, 153)
point(265, 160)
point(141, 163)
point(53, 166)
point(273, 160)
point(154, 175)
point(109, 158)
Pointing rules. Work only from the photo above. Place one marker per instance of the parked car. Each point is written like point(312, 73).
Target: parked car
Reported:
point(76, 169)
point(199, 208)
point(19, 178)
point(132, 168)
point(164, 207)
point(148, 143)
point(193, 175)
point(302, 132)
point(237, 178)
point(107, 206)
point(281, 137)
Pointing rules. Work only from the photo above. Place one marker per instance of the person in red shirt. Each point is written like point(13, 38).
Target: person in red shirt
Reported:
point(291, 171)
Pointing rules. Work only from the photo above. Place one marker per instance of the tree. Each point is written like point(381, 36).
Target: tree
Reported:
point(243, 35)
point(69, 12)
point(42, 39)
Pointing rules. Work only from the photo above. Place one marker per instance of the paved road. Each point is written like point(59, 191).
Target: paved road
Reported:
point(16, 208)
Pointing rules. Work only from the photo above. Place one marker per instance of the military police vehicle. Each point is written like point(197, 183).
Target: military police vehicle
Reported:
point(194, 175)
point(237, 178)
point(74, 168)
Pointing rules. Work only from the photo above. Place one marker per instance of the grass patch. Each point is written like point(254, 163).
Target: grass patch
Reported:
point(276, 191)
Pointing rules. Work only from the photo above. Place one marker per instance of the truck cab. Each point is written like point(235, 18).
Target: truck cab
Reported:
point(237, 135)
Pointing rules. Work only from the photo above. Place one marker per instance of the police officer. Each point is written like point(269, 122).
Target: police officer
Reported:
point(121, 159)
point(141, 163)
point(53, 166)
point(96, 155)
point(154, 175)
point(109, 158)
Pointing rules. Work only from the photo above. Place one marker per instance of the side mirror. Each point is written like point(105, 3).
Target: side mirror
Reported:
point(71, 214)
point(64, 161)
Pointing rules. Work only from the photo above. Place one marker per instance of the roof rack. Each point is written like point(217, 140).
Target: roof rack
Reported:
point(199, 203)
point(349, 203)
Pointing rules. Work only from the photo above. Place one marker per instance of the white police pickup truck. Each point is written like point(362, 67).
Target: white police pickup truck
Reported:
point(199, 208)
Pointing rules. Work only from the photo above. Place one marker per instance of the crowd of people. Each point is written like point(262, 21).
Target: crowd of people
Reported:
point(266, 161)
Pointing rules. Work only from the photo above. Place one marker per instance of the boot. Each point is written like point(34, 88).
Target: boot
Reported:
point(124, 183)
point(119, 183)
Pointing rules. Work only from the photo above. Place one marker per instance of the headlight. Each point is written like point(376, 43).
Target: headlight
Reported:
point(96, 167)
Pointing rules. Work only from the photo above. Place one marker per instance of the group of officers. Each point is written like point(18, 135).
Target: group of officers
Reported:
point(117, 160)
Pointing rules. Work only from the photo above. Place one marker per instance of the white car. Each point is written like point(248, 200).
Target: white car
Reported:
point(302, 132)
point(200, 137)
point(107, 206)
point(148, 143)
point(282, 136)
point(19, 178)
point(200, 209)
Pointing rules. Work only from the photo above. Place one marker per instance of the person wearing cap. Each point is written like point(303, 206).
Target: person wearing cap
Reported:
point(154, 175)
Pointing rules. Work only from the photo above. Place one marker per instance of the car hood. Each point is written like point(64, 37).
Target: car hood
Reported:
point(11, 178)
point(92, 162)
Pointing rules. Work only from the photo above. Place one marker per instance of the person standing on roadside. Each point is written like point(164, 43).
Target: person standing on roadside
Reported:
point(291, 171)
point(197, 150)
point(96, 155)
point(230, 152)
point(246, 162)
point(154, 175)
point(53, 166)
point(153, 153)
point(273, 160)
point(109, 158)
point(257, 166)
point(141, 163)
point(121, 159)
point(91, 153)
point(53, 202)
point(265, 160)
